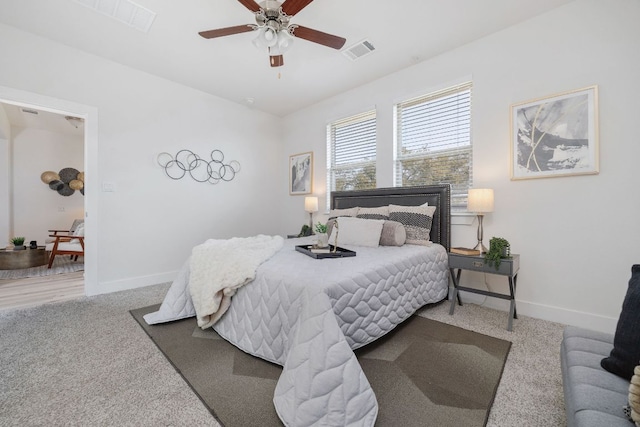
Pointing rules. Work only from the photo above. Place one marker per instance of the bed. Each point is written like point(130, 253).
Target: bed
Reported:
point(308, 315)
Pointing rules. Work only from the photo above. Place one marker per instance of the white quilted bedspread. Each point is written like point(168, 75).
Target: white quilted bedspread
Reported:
point(308, 315)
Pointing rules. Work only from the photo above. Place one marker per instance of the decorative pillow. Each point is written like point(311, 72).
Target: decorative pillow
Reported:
point(334, 213)
point(634, 397)
point(626, 341)
point(417, 221)
point(76, 224)
point(374, 213)
point(79, 231)
point(356, 231)
point(393, 234)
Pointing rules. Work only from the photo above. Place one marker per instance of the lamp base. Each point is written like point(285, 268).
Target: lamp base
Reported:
point(480, 247)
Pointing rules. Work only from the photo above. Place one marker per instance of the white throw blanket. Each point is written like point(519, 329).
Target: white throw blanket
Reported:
point(220, 267)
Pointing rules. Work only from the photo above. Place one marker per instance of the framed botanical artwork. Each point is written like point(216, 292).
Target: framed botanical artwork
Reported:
point(555, 136)
point(301, 173)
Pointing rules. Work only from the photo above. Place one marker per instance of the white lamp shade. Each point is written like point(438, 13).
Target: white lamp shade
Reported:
point(311, 204)
point(285, 40)
point(480, 200)
point(270, 36)
point(267, 37)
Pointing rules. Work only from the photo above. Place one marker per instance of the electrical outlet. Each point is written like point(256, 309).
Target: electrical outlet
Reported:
point(108, 187)
point(60, 208)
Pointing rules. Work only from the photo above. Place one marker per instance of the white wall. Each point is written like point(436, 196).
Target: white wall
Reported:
point(37, 208)
point(577, 236)
point(145, 229)
point(5, 136)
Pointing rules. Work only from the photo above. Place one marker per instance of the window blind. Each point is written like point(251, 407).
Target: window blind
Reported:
point(433, 141)
point(351, 153)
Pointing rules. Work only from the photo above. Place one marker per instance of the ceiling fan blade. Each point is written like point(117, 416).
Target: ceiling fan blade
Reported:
point(319, 37)
point(291, 7)
point(220, 32)
point(276, 61)
point(251, 5)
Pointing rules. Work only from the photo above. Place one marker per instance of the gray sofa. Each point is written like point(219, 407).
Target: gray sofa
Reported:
point(593, 396)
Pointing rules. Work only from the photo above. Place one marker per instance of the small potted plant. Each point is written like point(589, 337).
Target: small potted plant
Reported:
point(499, 248)
point(18, 243)
point(321, 233)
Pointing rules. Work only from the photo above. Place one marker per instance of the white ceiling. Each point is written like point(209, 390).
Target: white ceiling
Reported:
point(26, 117)
point(403, 32)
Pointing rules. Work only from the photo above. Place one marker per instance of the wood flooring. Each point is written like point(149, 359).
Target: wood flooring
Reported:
point(32, 291)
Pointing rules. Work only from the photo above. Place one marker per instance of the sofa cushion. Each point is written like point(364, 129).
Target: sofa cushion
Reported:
point(625, 354)
point(593, 396)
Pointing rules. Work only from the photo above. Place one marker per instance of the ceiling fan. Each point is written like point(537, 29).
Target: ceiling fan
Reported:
point(274, 30)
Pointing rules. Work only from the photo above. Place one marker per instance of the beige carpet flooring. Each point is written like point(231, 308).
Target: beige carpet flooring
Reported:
point(87, 362)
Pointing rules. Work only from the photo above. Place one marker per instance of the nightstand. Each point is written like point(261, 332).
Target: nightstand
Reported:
point(508, 267)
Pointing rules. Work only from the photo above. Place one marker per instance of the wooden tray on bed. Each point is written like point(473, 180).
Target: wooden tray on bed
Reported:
point(319, 253)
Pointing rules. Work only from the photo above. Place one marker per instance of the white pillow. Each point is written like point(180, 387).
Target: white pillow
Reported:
point(79, 231)
point(334, 213)
point(357, 232)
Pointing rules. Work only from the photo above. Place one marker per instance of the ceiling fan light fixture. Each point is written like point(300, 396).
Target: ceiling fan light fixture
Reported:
point(274, 30)
point(267, 37)
point(285, 40)
point(270, 37)
point(259, 40)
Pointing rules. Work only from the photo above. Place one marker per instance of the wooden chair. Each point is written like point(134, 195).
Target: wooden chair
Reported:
point(66, 242)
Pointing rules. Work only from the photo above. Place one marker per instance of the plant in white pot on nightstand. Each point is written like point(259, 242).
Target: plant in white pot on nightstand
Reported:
point(499, 248)
point(18, 243)
point(321, 233)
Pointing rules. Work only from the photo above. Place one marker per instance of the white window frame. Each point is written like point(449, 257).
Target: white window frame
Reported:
point(438, 146)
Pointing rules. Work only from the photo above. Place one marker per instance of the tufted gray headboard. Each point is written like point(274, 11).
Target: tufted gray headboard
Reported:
point(436, 195)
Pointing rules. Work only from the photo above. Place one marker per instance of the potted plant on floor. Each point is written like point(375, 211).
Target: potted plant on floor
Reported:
point(18, 243)
point(499, 248)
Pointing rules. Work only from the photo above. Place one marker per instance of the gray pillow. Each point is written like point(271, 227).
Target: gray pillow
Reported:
point(393, 234)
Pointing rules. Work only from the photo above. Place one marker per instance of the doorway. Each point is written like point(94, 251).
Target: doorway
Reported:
point(29, 100)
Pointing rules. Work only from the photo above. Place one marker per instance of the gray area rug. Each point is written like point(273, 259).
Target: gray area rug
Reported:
point(424, 373)
point(61, 265)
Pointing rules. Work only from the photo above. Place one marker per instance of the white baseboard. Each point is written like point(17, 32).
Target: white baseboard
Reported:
point(545, 312)
point(134, 283)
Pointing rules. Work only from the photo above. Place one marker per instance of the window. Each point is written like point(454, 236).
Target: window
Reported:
point(433, 142)
point(351, 153)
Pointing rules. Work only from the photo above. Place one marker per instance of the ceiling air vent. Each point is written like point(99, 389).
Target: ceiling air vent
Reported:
point(359, 50)
point(29, 111)
point(124, 11)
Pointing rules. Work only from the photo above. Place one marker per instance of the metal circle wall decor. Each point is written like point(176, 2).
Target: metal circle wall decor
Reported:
point(199, 169)
point(65, 182)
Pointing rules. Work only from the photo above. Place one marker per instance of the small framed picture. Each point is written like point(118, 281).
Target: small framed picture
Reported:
point(555, 136)
point(301, 173)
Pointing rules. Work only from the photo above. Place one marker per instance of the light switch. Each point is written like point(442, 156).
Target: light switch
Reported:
point(108, 187)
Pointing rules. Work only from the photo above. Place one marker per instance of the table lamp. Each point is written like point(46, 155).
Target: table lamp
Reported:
point(311, 206)
point(480, 201)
